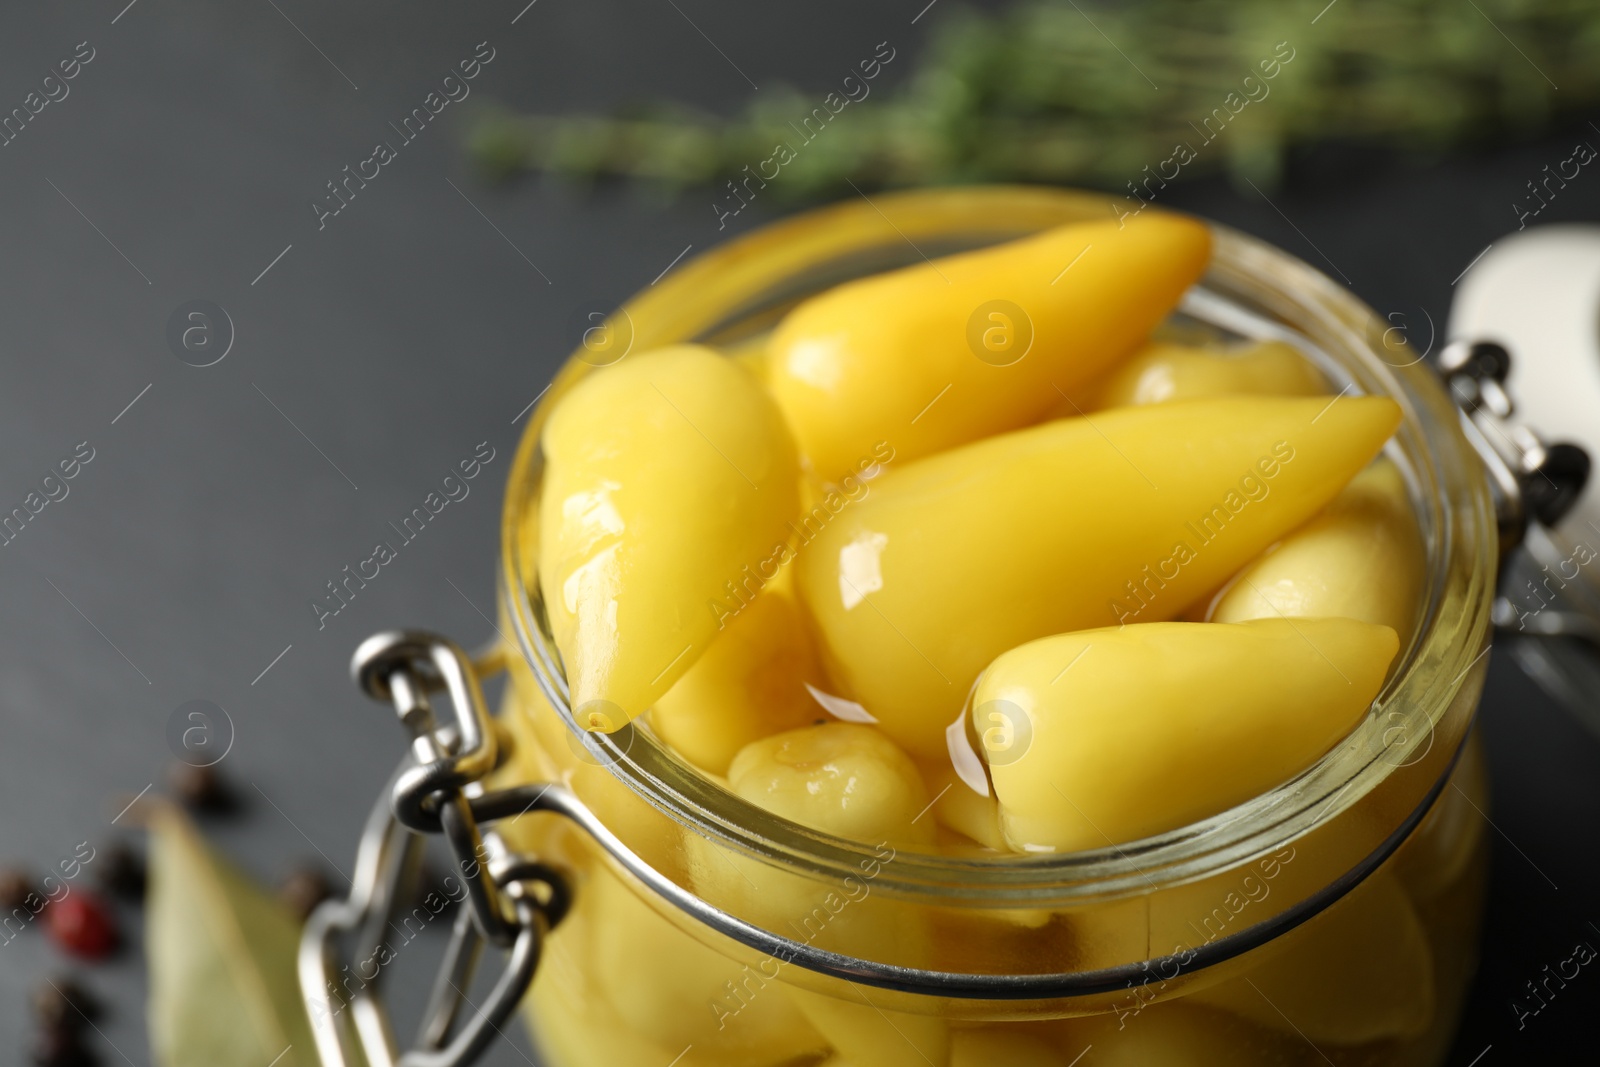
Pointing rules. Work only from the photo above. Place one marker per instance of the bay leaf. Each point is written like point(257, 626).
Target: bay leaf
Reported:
point(223, 984)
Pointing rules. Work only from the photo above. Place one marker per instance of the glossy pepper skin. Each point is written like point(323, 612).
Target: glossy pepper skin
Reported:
point(1162, 372)
point(945, 352)
point(751, 683)
point(1361, 557)
point(1101, 737)
point(1359, 972)
point(842, 778)
point(669, 987)
point(668, 476)
point(1127, 516)
point(846, 779)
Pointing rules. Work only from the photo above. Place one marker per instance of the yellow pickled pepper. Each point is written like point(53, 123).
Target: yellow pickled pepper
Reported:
point(1125, 516)
point(1177, 1035)
point(1100, 737)
point(959, 807)
point(993, 1046)
point(1362, 558)
point(948, 351)
point(750, 683)
point(751, 354)
point(1163, 371)
point(669, 987)
point(1359, 972)
point(839, 777)
point(668, 476)
point(863, 1034)
point(846, 779)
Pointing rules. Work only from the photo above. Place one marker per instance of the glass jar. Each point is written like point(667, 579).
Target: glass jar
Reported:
point(1333, 919)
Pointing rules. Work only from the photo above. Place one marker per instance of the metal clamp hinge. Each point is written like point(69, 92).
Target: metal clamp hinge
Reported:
point(511, 901)
point(1533, 481)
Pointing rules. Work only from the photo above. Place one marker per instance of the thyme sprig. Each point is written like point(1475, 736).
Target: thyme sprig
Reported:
point(1038, 93)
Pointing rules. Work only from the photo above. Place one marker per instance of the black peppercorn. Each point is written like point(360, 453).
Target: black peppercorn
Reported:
point(202, 789)
point(14, 889)
point(63, 1004)
point(121, 872)
point(61, 1048)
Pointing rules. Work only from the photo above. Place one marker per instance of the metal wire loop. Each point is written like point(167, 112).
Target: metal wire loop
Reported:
point(511, 901)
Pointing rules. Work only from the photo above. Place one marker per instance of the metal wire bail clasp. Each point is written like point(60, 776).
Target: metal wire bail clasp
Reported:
point(512, 901)
point(403, 667)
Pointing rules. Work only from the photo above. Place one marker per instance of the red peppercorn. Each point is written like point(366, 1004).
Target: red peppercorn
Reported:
point(82, 925)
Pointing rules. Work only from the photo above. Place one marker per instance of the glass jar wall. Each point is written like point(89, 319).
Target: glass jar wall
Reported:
point(1333, 919)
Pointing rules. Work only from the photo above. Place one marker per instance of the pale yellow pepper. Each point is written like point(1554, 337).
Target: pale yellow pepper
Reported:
point(571, 1022)
point(865, 1033)
point(1162, 371)
point(1178, 1035)
point(750, 683)
point(669, 480)
point(1104, 736)
point(751, 354)
point(945, 352)
point(1359, 972)
point(620, 985)
point(840, 777)
point(1126, 516)
point(995, 1046)
point(672, 989)
point(961, 808)
point(846, 779)
point(1434, 858)
point(1361, 558)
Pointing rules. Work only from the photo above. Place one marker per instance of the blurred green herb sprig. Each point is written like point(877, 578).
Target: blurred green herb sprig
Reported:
point(1054, 91)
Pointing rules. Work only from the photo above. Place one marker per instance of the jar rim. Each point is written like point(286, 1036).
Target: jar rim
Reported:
point(755, 271)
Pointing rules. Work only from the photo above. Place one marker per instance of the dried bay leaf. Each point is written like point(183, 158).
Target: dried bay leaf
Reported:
point(223, 985)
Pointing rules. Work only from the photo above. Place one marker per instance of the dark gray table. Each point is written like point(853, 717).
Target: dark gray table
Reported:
point(373, 353)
